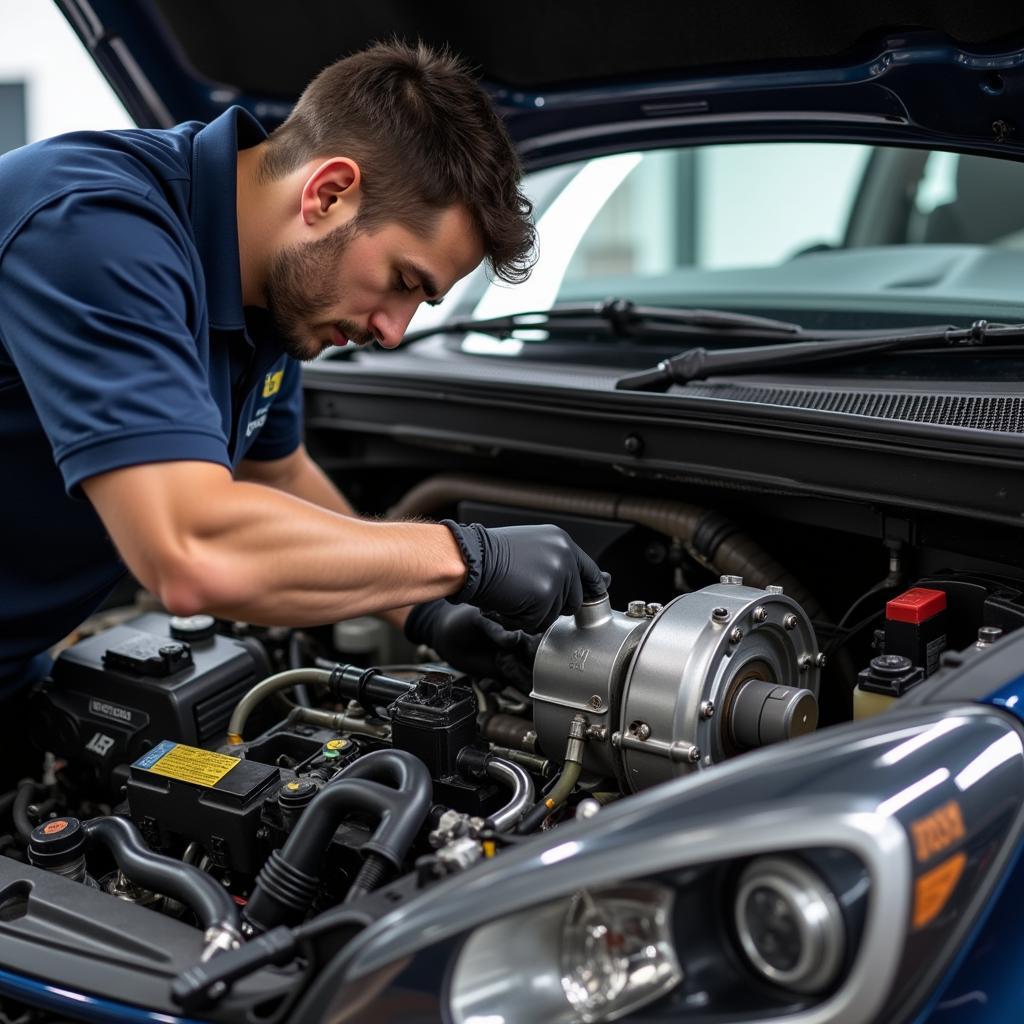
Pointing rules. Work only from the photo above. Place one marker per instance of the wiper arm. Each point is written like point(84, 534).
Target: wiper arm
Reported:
point(620, 317)
point(699, 363)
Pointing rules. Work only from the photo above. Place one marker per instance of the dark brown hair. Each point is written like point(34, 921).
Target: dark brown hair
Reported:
point(425, 136)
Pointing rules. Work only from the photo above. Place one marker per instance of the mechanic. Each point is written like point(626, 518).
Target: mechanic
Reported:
point(158, 289)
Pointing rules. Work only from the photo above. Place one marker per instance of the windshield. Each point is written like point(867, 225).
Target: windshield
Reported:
point(826, 234)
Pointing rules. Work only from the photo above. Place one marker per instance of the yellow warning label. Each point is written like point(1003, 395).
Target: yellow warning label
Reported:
point(191, 764)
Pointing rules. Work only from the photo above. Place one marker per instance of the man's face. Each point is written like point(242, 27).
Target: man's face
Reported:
point(365, 286)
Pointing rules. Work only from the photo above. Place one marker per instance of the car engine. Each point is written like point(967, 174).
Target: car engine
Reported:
point(242, 779)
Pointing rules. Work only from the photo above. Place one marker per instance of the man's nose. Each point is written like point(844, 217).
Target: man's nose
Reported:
point(390, 326)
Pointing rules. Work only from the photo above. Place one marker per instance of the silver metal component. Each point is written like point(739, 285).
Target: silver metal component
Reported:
point(821, 661)
point(454, 825)
point(665, 677)
point(773, 588)
point(219, 939)
point(780, 894)
point(578, 659)
point(680, 752)
point(518, 780)
point(121, 887)
point(988, 635)
point(577, 738)
point(460, 854)
point(595, 703)
point(531, 762)
point(653, 607)
point(636, 609)
point(587, 808)
point(731, 581)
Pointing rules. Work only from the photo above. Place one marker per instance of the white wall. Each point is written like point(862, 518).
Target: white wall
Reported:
point(64, 89)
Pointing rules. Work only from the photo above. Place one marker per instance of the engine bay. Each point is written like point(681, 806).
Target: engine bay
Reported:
point(241, 779)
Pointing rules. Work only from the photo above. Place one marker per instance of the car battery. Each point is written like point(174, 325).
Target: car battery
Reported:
point(179, 794)
point(915, 627)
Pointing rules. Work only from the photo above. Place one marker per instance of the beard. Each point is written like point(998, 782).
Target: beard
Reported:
point(298, 307)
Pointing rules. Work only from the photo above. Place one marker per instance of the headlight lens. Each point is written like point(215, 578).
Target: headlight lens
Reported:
point(596, 956)
point(617, 951)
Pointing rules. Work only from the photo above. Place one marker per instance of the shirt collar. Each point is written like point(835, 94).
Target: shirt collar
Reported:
point(213, 211)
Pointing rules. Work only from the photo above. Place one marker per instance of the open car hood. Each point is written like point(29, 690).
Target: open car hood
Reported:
point(581, 77)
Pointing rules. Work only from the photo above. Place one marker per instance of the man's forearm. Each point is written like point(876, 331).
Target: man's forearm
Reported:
point(250, 552)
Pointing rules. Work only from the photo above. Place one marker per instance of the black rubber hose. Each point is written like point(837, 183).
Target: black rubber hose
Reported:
point(288, 880)
point(402, 806)
point(28, 792)
point(203, 894)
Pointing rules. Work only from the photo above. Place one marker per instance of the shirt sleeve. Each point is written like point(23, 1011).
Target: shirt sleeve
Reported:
point(103, 321)
point(282, 432)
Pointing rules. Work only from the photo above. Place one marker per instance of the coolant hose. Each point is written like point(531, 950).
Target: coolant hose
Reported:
point(28, 791)
point(262, 690)
point(558, 795)
point(473, 763)
point(202, 893)
point(518, 780)
point(392, 785)
point(715, 538)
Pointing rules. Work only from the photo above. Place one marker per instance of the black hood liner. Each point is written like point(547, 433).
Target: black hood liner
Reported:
point(272, 49)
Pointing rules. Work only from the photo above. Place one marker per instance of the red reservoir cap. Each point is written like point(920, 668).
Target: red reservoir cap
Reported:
point(916, 605)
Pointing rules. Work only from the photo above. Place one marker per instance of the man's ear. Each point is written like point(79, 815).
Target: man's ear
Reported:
point(331, 193)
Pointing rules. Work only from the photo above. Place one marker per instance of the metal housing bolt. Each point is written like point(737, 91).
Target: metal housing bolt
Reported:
point(760, 614)
point(719, 614)
point(790, 621)
point(733, 581)
point(805, 662)
point(642, 731)
point(707, 709)
point(652, 609)
point(736, 635)
point(595, 703)
point(774, 588)
point(821, 660)
point(636, 609)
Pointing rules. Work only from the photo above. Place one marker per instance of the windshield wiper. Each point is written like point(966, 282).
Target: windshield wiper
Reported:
point(619, 317)
point(699, 363)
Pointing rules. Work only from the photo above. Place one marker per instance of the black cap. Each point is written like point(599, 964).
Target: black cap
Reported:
point(57, 841)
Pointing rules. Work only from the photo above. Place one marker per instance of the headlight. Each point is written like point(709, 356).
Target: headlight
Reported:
point(789, 924)
point(828, 881)
point(594, 957)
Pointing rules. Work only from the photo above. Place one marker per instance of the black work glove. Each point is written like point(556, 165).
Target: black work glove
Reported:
point(525, 576)
point(468, 641)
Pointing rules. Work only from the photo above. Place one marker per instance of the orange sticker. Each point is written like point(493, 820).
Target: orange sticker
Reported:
point(933, 889)
point(57, 825)
point(937, 831)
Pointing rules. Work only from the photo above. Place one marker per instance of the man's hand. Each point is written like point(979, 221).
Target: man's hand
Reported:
point(468, 641)
point(525, 576)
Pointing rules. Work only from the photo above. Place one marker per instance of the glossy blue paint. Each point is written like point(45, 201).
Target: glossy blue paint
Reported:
point(1010, 697)
point(78, 1005)
point(983, 984)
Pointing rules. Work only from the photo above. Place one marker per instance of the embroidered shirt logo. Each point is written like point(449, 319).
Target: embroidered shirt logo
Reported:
point(272, 384)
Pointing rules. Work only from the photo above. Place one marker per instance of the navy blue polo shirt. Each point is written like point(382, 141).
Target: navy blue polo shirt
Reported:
point(123, 340)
